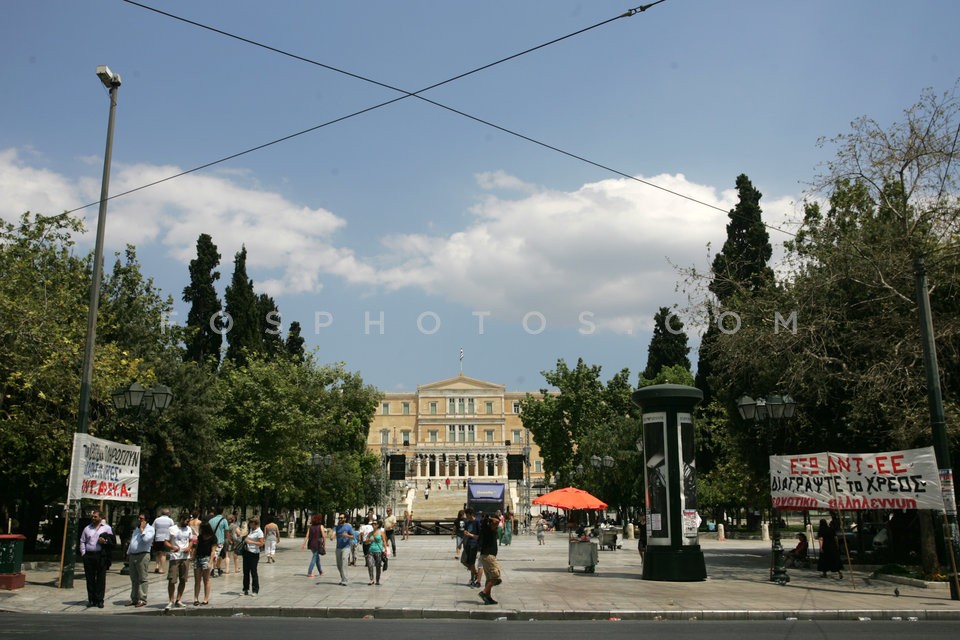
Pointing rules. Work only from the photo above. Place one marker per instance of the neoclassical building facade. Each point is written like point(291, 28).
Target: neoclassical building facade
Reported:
point(460, 428)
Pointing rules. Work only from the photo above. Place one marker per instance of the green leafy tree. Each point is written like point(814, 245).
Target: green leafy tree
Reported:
point(586, 418)
point(244, 338)
point(278, 413)
point(203, 341)
point(853, 361)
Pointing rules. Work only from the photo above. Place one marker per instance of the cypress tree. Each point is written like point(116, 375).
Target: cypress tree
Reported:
point(740, 267)
point(241, 306)
point(203, 343)
point(294, 343)
point(668, 347)
point(268, 317)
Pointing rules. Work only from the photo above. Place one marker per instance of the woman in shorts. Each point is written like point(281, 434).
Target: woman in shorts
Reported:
point(203, 552)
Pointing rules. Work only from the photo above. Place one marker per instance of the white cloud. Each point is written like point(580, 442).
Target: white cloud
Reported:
point(609, 248)
point(606, 248)
point(291, 242)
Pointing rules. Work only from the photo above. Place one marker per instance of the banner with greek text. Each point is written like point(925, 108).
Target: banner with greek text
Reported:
point(851, 481)
point(103, 470)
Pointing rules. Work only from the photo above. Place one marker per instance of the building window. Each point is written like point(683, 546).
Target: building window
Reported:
point(385, 408)
point(538, 466)
point(433, 408)
point(384, 436)
point(516, 437)
point(461, 406)
point(460, 433)
point(516, 406)
point(406, 408)
point(488, 435)
point(405, 437)
point(433, 436)
point(489, 407)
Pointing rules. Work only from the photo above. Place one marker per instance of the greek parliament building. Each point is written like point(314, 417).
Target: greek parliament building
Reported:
point(460, 428)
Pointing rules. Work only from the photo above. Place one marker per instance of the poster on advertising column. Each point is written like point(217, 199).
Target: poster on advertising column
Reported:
point(103, 470)
point(851, 481)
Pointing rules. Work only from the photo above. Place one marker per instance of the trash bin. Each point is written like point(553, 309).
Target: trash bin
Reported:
point(11, 559)
point(583, 553)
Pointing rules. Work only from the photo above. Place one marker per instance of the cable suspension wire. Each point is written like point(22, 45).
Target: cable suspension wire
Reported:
point(405, 94)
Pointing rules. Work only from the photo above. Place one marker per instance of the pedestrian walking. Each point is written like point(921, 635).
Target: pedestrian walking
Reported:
point(179, 545)
point(251, 556)
point(345, 536)
point(315, 540)
point(389, 526)
point(374, 554)
point(272, 539)
point(488, 559)
point(138, 560)
point(96, 545)
point(471, 545)
point(407, 519)
point(161, 531)
point(204, 552)
point(541, 529)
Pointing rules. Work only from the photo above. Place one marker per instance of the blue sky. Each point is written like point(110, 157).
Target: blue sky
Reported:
point(426, 219)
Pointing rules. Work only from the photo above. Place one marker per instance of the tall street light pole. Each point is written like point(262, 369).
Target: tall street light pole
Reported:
point(941, 447)
point(111, 81)
point(772, 409)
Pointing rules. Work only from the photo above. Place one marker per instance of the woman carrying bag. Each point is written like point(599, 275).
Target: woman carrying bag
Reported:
point(315, 540)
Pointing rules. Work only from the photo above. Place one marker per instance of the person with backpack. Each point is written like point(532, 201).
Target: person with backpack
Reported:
point(316, 542)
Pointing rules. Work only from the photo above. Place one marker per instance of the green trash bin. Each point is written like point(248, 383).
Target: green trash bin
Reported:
point(11, 558)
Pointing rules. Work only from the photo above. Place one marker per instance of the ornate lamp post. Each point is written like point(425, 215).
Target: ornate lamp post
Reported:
point(771, 409)
point(145, 402)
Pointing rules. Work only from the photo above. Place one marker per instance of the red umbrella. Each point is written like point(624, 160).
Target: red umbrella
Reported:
point(570, 498)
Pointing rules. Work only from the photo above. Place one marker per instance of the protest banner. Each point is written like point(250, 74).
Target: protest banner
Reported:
point(851, 481)
point(103, 470)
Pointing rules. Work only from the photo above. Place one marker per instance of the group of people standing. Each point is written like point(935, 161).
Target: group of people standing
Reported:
point(207, 545)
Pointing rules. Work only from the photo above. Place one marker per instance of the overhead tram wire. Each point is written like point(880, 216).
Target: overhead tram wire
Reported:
point(407, 94)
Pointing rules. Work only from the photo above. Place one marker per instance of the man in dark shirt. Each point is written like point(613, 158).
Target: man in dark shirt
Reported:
point(488, 558)
point(471, 545)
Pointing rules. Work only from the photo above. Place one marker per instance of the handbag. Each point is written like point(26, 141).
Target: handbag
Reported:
point(240, 545)
point(321, 546)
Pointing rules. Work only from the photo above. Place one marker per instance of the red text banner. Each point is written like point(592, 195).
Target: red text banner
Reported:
point(103, 470)
point(852, 481)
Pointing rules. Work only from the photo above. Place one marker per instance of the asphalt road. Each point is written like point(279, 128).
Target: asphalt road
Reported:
point(78, 627)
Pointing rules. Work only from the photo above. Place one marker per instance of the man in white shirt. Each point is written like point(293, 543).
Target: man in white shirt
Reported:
point(179, 545)
point(138, 561)
point(161, 531)
point(363, 540)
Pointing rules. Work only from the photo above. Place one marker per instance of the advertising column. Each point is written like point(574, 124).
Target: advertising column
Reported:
point(673, 546)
